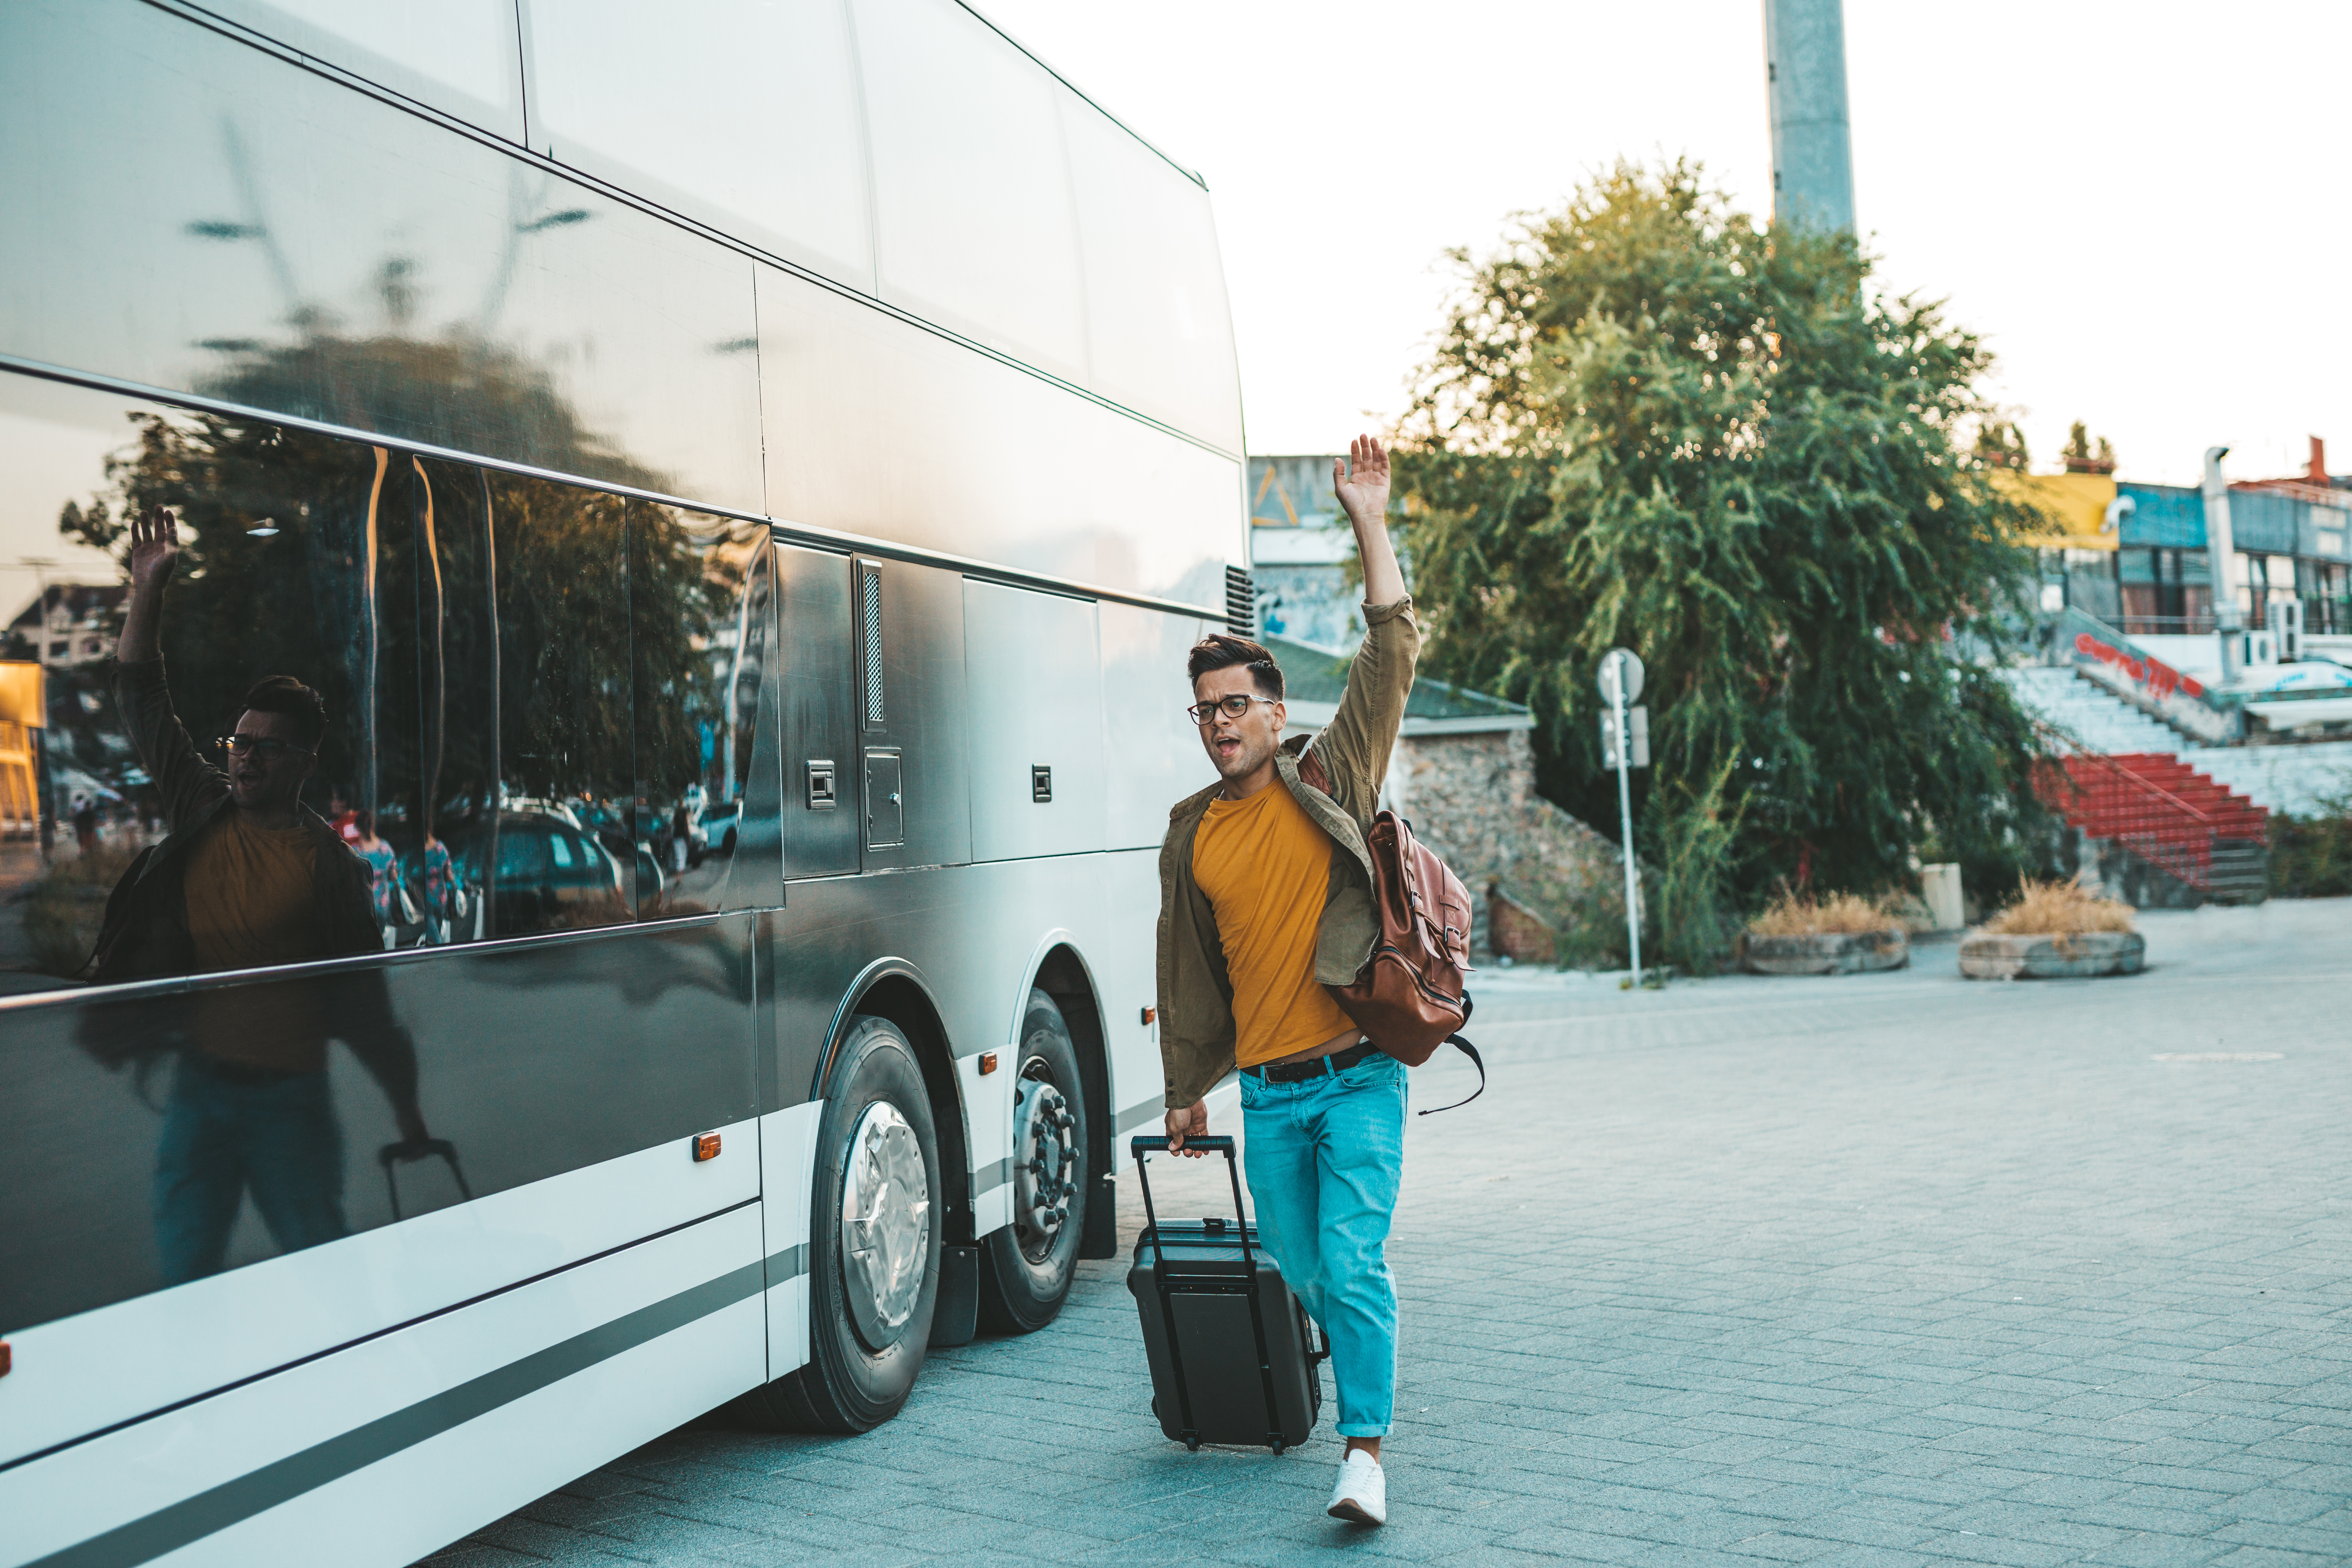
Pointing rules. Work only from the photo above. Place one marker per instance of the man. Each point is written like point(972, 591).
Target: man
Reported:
point(247, 877)
point(1266, 898)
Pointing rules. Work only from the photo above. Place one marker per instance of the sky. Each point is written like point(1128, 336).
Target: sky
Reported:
point(2143, 209)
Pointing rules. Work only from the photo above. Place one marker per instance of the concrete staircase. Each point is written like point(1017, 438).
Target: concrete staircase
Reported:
point(2090, 713)
point(2211, 842)
point(2296, 781)
point(2146, 816)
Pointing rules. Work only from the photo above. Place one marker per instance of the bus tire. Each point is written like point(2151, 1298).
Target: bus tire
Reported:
point(1031, 1262)
point(869, 1312)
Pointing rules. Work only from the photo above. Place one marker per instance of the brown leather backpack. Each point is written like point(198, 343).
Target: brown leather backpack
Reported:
point(1409, 997)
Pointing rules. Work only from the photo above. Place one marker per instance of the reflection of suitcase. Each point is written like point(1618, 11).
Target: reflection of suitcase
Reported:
point(393, 1154)
point(1230, 1346)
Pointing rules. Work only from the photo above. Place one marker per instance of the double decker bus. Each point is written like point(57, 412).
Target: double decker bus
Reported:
point(742, 475)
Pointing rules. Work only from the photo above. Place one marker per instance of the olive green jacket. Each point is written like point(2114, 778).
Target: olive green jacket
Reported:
point(1196, 995)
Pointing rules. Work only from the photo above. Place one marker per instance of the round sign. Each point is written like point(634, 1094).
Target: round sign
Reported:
point(1626, 659)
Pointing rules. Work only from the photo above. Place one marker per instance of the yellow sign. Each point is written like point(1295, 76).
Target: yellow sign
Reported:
point(20, 694)
point(2073, 508)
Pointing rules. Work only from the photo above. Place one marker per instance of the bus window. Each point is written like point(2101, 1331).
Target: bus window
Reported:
point(565, 760)
point(972, 193)
point(696, 646)
point(1156, 315)
point(289, 572)
point(459, 55)
point(772, 150)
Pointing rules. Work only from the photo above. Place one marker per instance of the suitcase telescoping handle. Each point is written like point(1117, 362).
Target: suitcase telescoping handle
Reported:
point(424, 1149)
point(1219, 1143)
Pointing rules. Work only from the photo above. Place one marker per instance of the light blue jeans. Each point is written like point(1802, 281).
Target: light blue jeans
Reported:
point(1324, 1158)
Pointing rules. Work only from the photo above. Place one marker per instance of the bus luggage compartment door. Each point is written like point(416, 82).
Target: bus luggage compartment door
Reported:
point(885, 813)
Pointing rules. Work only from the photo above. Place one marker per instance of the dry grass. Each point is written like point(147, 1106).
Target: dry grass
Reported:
point(1839, 914)
point(2058, 909)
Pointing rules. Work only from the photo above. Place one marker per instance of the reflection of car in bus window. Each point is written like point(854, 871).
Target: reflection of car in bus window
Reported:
point(550, 876)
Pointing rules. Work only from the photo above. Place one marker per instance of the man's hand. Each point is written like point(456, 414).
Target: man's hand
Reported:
point(1361, 482)
point(1193, 1122)
point(154, 547)
point(154, 550)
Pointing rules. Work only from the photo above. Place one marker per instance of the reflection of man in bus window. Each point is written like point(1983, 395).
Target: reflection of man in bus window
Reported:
point(247, 877)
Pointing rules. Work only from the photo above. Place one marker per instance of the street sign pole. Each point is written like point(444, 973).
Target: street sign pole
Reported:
point(1625, 826)
point(1620, 682)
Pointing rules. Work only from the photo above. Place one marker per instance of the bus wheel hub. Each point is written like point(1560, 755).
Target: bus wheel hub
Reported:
point(886, 1225)
point(1046, 1160)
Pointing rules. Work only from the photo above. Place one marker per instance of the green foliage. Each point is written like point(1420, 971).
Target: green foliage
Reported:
point(1651, 422)
point(2310, 856)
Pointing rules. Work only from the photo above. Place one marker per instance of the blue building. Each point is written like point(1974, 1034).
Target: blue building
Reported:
point(2293, 539)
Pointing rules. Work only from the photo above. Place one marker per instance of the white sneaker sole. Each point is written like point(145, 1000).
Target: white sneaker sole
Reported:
point(1349, 1509)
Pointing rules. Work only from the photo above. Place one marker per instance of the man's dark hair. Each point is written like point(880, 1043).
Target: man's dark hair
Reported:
point(1223, 651)
point(284, 694)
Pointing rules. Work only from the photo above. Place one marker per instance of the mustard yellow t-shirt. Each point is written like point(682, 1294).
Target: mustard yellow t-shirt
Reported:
point(251, 903)
point(1266, 869)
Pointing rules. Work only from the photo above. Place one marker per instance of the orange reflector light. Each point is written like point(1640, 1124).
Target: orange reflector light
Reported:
point(987, 1062)
point(706, 1146)
point(7, 1358)
point(1150, 1014)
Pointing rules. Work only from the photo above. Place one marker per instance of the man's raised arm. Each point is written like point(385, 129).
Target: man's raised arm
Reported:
point(185, 781)
point(1355, 745)
point(1361, 483)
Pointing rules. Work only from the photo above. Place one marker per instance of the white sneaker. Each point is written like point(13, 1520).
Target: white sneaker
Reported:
point(1362, 1494)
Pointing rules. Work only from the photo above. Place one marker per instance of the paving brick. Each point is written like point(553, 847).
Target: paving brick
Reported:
point(1882, 1269)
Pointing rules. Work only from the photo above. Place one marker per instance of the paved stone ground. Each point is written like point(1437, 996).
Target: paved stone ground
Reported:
point(1879, 1269)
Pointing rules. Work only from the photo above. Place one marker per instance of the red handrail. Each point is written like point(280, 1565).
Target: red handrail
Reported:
point(2148, 786)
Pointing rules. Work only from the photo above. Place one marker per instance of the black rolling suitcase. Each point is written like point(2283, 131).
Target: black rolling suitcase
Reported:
point(1230, 1349)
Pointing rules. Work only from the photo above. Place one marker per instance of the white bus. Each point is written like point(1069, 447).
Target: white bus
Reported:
point(742, 474)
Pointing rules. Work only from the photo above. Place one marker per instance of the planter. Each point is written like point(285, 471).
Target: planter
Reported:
point(2081, 955)
point(1842, 953)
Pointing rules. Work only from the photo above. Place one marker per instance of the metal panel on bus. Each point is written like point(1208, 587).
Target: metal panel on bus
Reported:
point(819, 813)
point(1034, 707)
point(1154, 752)
point(264, 234)
point(909, 702)
point(877, 427)
point(530, 1059)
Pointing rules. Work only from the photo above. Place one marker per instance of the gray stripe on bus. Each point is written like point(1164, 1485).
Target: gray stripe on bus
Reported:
point(787, 1266)
point(231, 1502)
point(988, 1178)
point(1137, 1115)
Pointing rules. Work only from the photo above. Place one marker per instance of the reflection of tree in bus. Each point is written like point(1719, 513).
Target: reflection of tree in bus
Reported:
point(373, 571)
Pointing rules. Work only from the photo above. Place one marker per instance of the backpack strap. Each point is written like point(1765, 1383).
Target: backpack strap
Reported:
point(1311, 771)
point(1467, 1049)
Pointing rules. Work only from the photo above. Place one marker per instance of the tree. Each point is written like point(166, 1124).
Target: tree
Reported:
point(1651, 421)
point(2082, 457)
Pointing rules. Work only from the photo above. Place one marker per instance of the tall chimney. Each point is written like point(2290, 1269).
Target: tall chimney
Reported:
point(2318, 472)
point(1813, 142)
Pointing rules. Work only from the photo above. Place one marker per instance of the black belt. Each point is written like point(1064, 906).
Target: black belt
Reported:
point(1299, 1072)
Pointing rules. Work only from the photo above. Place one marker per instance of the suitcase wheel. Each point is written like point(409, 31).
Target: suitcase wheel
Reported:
point(1192, 1445)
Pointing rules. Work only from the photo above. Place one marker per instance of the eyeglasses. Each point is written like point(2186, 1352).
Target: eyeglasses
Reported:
point(267, 750)
point(1232, 707)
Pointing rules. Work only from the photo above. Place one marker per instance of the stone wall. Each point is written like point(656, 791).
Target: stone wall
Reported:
point(1536, 875)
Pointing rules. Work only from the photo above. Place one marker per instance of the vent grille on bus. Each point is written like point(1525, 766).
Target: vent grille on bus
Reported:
point(1241, 602)
point(869, 609)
